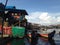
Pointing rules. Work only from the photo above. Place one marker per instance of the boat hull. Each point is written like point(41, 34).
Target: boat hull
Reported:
point(43, 36)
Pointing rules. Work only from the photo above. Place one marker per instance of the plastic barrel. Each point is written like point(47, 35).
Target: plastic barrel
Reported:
point(18, 31)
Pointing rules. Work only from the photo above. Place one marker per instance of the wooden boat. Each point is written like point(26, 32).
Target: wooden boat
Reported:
point(43, 36)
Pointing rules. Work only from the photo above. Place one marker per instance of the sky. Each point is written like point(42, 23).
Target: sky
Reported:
point(43, 12)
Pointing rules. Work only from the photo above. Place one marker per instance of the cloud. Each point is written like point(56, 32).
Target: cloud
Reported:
point(44, 18)
point(58, 19)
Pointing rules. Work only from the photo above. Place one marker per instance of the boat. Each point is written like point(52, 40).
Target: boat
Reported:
point(44, 36)
point(13, 17)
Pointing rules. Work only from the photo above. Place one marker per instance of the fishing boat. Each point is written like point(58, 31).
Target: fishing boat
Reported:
point(14, 21)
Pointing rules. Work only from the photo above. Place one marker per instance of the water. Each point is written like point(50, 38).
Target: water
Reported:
point(40, 41)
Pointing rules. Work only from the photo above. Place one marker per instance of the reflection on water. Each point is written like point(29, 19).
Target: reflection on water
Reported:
point(16, 42)
point(40, 41)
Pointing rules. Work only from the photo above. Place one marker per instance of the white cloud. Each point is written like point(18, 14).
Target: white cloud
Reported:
point(58, 19)
point(44, 18)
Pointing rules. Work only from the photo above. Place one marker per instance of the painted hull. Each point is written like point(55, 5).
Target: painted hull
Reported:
point(43, 36)
point(18, 32)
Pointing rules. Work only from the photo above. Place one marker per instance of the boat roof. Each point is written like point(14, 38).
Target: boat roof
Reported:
point(12, 9)
point(24, 12)
point(17, 11)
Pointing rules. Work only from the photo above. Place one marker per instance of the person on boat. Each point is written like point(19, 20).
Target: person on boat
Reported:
point(50, 38)
point(34, 37)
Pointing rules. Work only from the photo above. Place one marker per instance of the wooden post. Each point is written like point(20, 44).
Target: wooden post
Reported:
point(19, 23)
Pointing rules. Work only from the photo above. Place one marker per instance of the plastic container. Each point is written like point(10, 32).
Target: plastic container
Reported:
point(18, 31)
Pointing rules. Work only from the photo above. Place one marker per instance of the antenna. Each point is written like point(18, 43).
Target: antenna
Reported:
point(6, 3)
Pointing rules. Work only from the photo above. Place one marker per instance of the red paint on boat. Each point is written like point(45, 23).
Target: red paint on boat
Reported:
point(43, 36)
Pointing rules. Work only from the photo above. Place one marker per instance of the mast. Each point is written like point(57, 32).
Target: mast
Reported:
point(3, 16)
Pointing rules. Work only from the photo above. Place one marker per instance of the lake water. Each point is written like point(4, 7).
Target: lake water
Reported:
point(40, 41)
